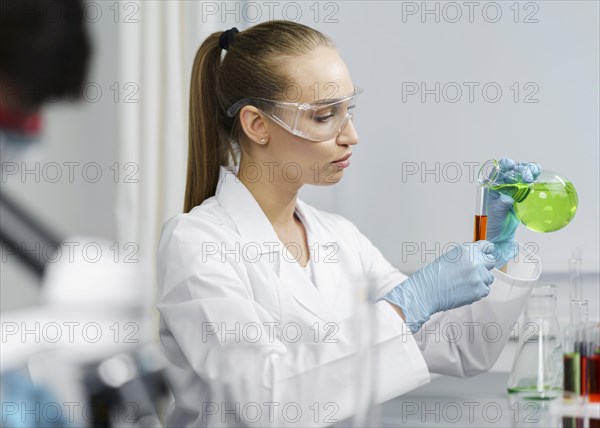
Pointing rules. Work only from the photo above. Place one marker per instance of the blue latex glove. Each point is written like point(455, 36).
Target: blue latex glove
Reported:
point(28, 405)
point(459, 277)
point(502, 219)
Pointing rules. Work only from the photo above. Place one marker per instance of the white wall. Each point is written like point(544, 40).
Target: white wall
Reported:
point(559, 54)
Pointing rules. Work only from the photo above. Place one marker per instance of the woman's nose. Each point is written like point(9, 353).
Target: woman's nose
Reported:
point(348, 134)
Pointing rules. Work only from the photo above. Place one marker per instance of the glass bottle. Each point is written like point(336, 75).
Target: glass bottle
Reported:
point(546, 205)
point(537, 367)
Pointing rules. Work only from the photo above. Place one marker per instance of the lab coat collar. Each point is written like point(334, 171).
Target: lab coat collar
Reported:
point(249, 218)
point(256, 229)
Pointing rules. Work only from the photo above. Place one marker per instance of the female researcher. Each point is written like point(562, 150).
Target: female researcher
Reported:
point(257, 289)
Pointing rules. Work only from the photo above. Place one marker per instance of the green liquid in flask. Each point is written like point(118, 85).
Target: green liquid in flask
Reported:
point(544, 206)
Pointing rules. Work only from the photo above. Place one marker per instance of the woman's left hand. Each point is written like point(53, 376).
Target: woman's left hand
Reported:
point(502, 218)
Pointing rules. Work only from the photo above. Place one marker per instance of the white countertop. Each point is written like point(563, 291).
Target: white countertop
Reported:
point(479, 401)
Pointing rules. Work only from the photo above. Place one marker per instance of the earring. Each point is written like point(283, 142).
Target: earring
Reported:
point(263, 140)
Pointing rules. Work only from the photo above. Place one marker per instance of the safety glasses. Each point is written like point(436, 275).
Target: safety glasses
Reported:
point(320, 121)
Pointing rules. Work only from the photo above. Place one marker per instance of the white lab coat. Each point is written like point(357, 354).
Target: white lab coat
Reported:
point(239, 319)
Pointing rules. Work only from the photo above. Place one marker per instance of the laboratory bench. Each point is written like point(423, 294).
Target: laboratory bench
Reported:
point(479, 401)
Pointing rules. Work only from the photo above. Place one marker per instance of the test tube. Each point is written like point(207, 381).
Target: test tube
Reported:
point(575, 276)
point(572, 375)
point(488, 173)
point(480, 229)
point(590, 367)
point(578, 306)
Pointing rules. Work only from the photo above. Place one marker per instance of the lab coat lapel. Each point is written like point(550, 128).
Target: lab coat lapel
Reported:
point(256, 230)
point(303, 289)
point(324, 248)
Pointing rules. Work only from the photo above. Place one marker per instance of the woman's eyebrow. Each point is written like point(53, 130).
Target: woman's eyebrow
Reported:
point(334, 100)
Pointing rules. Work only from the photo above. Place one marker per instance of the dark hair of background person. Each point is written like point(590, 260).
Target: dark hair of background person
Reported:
point(255, 65)
point(44, 51)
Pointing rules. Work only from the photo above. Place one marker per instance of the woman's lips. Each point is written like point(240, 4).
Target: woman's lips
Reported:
point(343, 162)
point(344, 158)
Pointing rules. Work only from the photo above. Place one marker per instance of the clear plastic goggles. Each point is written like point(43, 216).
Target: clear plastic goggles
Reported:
point(320, 121)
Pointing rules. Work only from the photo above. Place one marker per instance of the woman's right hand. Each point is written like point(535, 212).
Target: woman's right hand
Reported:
point(459, 277)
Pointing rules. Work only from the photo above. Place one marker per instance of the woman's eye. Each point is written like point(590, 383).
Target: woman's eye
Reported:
point(325, 114)
point(324, 119)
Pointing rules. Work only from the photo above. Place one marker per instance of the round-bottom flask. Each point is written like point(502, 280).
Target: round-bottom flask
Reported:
point(546, 205)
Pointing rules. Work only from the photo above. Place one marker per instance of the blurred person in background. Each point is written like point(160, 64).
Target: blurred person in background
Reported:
point(44, 55)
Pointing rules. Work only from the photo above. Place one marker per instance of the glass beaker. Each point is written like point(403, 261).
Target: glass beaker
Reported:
point(537, 367)
point(546, 205)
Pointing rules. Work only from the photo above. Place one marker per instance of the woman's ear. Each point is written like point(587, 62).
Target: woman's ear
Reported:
point(254, 124)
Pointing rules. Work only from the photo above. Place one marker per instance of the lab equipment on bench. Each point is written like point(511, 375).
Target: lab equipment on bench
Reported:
point(581, 358)
point(537, 367)
point(582, 374)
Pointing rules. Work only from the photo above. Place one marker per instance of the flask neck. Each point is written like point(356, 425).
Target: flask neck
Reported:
point(518, 191)
point(490, 177)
